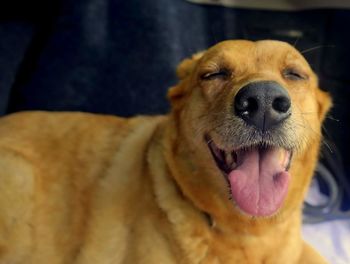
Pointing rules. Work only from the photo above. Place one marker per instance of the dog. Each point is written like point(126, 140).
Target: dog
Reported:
point(220, 179)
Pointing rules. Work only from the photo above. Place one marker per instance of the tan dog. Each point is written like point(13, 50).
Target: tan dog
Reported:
point(208, 183)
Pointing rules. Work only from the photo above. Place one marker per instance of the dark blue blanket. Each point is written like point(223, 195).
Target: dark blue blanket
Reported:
point(119, 57)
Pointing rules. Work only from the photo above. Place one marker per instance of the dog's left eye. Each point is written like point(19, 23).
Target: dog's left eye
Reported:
point(293, 74)
point(214, 75)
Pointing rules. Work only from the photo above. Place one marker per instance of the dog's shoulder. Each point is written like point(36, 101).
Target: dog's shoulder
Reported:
point(57, 122)
point(42, 134)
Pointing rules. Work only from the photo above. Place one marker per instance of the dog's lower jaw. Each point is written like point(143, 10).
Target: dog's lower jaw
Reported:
point(201, 185)
point(257, 176)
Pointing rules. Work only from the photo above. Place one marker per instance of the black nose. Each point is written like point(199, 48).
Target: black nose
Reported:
point(262, 104)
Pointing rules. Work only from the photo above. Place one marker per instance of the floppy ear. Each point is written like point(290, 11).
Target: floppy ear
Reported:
point(324, 103)
point(187, 65)
point(183, 70)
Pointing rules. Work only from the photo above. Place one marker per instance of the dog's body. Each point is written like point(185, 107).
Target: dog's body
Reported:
point(83, 188)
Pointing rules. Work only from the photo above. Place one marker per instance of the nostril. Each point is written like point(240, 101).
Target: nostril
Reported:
point(281, 104)
point(247, 105)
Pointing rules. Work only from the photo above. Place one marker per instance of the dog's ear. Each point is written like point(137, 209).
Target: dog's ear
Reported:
point(324, 103)
point(187, 65)
point(183, 70)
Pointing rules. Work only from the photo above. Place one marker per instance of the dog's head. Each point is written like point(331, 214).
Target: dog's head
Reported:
point(251, 111)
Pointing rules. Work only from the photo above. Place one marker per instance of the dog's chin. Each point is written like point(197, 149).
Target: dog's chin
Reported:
point(257, 175)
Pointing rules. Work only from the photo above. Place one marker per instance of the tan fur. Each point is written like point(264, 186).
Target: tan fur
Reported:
point(84, 188)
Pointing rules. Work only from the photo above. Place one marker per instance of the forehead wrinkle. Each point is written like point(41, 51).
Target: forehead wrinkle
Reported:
point(278, 59)
point(294, 58)
point(282, 53)
point(231, 50)
point(255, 57)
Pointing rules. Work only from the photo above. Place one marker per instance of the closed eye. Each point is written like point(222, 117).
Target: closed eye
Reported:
point(222, 74)
point(293, 74)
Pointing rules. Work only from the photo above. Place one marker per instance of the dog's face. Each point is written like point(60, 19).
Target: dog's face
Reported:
point(249, 112)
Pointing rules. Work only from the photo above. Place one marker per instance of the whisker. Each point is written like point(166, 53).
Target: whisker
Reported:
point(316, 48)
point(311, 129)
point(296, 41)
point(327, 145)
point(307, 126)
point(328, 136)
point(323, 141)
point(212, 31)
point(212, 114)
point(199, 118)
point(307, 113)
point(332, 118)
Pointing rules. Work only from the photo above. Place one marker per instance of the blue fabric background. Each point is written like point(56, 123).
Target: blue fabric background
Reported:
point(119, 57)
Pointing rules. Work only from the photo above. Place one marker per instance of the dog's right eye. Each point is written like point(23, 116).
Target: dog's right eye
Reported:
point(293, 74)
point(222, 74)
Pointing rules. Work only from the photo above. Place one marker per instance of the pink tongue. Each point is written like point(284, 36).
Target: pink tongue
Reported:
point(259, 185)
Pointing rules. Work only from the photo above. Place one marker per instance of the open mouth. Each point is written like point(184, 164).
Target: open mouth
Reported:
point(258, 176)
